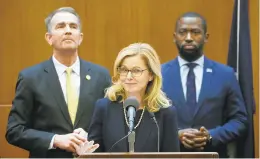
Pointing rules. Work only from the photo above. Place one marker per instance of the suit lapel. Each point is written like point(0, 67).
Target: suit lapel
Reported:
point(172, 84)
point(206, 83)
point(85, 91)
point(144, 131)
point(56, 91)
point(119, 123)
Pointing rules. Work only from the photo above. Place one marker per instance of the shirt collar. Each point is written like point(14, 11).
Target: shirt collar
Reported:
point(199, 61)
point(60, 68)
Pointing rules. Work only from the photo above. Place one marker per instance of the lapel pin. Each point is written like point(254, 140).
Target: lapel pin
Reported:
point(208, 70)
point(88, 77)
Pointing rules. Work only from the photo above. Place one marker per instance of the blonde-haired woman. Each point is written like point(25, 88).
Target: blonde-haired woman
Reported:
point(137, 72)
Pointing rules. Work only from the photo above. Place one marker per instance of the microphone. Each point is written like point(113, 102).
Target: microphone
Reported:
point(131, 104)
point(151, 114)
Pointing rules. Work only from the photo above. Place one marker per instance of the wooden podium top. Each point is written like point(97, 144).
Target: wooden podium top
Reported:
point(153, 155)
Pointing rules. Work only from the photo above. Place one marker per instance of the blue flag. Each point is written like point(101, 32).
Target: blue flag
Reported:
point(240, 58)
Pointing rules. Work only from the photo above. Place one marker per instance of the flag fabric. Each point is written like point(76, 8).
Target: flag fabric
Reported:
point(240, 58)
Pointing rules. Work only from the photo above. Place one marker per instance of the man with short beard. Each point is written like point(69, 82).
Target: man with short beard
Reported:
point(209, 103)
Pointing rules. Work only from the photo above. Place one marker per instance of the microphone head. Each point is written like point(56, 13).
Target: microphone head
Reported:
point(131, 101)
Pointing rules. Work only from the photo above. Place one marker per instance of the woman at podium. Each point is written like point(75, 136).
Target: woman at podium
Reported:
point(135, 115)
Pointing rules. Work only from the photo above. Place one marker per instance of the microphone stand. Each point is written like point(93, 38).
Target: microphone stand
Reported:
point(131, 141)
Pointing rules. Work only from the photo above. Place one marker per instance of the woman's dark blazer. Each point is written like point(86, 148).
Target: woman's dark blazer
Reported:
point(108, 126)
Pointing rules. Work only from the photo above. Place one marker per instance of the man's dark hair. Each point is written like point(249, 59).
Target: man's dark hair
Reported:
point(195, 15)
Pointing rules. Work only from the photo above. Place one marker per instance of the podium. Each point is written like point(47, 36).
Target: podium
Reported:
point(153, 155)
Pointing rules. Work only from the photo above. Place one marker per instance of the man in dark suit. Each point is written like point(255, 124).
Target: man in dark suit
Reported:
point(54, 100)
point(210, 107)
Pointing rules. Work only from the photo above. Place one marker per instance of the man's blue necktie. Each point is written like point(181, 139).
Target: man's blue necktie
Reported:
point(191, 88)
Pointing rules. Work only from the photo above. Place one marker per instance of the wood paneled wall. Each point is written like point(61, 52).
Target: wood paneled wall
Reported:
point(108, 26)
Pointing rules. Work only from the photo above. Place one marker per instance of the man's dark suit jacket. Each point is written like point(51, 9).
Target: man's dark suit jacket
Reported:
point(220, 107)
point(108, 126)
point(39, 109)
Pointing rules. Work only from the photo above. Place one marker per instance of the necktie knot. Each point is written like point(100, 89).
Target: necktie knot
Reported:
point(69, 70)
point(191, 65)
